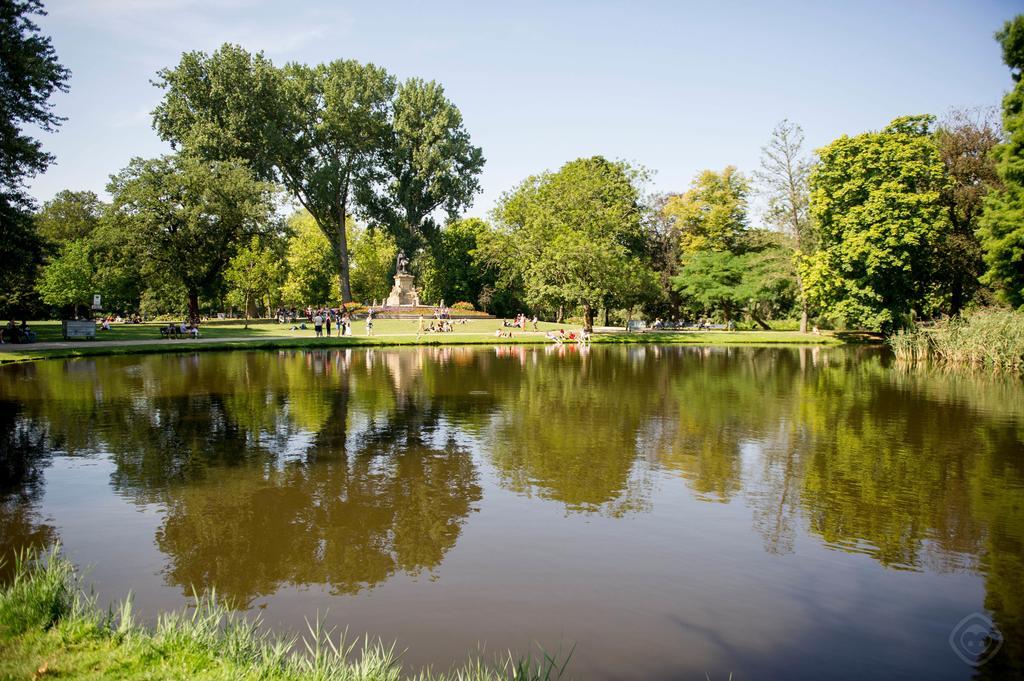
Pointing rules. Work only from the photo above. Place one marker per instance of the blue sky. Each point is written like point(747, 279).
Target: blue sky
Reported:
point(674, 86)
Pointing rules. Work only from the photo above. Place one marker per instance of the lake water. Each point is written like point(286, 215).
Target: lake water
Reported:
point(662, 512)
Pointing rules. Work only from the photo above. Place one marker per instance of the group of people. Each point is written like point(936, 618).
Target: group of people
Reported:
point(323, 319)
point(13, 333)
point(109, 319)
point(702, 324)
point(561, 336)
point(438, 325)
point(184, 328)
point(520, 322)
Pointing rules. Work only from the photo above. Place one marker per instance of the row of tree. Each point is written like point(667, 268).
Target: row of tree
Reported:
point(919, 219)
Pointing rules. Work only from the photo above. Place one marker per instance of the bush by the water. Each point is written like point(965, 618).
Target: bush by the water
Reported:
point(988, 338)
point(49, 626)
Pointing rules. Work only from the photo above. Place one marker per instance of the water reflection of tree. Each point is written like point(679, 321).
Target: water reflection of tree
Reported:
point(348, 523)
point(557, 433)
point(22, 457)
point(282, 493)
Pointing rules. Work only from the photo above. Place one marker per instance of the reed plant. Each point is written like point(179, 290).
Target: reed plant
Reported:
point(984, 338)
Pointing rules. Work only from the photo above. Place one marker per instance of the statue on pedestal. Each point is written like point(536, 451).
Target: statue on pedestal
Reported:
point(403, 293)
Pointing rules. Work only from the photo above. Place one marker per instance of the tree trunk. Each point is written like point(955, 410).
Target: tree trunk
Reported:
point(588, 317)
point(246, 312)
point(341, 246)
point(803, 302)
point(561, 314)
point(606, 316)
point(760, 322)
point(193, 306)
point(957, 297)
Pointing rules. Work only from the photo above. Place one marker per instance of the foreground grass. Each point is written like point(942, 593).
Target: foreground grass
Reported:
point(50, 629)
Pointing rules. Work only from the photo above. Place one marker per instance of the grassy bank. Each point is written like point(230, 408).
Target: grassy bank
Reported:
point(50, 628)
point(987, 338)
point(388, 332)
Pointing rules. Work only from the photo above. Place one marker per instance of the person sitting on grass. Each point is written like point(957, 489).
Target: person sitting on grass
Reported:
point(9, 334)
point(552, 336)
point(501, 333)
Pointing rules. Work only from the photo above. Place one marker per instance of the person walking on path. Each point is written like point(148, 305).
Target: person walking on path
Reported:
point(369, 322)
point(327, 321)
point(318, 325)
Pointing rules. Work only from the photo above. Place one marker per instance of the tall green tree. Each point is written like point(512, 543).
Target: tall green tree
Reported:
point(312, 271)
point(69, 215)
point(318, 130)
point(572, 238)
point(714, 280)
point(1001, 227)
point(760, 280)
point(876, 200)
point(373, 262)
point(712, 214)
point(449, 269)
point(185, 217)
point(29, 75)
point(251, 275)
point(67, 280)
point(965, 140)
point(784, 179)
point(430, 165)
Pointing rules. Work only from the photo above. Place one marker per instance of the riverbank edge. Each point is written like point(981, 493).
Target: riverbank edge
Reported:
point(704, 338)
point(50, 626)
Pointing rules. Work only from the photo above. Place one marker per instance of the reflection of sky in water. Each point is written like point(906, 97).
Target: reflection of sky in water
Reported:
point(671, 512)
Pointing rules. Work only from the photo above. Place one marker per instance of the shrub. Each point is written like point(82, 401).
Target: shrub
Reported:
point(463, 305)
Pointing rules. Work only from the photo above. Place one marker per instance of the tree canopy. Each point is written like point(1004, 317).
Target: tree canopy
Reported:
point(1001, 228)
point(69, 215)
point(185, 217)
point(330, 133)
point(875, 198)
point(572, 237)
point(67, 281)
point(429, 164)
point(29, 75)
point(712, 214)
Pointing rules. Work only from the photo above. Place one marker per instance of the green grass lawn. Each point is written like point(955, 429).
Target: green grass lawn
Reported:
point(387, 332)
point(49, 331)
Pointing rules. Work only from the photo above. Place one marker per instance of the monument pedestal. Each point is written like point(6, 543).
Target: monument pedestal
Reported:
point(403, 293)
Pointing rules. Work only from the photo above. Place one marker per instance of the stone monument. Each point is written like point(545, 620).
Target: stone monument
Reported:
point(403, 293)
